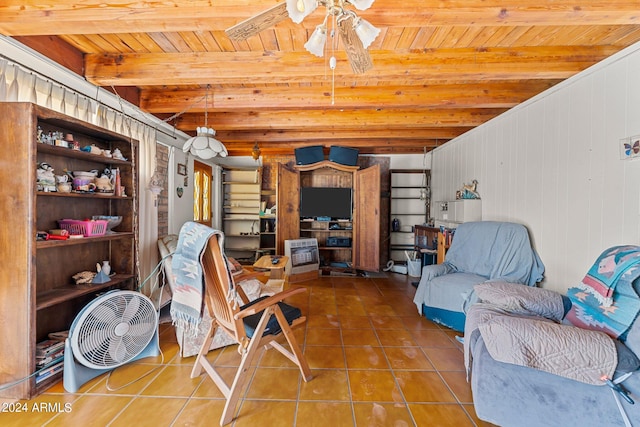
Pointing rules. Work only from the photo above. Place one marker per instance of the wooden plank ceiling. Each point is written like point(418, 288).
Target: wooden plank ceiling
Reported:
point(440, 68)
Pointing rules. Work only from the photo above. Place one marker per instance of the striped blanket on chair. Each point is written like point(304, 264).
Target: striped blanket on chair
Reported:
point(187, 304)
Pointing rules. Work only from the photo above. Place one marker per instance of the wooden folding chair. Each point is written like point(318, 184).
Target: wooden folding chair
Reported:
point(253, 325)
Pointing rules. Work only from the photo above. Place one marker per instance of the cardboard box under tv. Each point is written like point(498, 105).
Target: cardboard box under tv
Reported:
point(304, 259)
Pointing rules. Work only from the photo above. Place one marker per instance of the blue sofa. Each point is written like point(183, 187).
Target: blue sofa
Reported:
point(480, 251)
point(558, 379)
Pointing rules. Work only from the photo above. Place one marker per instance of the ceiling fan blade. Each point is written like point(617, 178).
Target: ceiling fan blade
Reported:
point(259, 22)
point(359, 57)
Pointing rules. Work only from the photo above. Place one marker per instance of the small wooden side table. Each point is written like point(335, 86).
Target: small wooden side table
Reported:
point(276, 280)
point(277, 269)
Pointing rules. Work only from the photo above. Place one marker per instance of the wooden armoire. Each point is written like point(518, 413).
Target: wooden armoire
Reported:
point(364, 227)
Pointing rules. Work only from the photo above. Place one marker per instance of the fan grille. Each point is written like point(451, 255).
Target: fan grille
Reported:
point(113, 329)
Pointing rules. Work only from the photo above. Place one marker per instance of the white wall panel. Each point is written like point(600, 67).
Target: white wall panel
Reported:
point(553, 164)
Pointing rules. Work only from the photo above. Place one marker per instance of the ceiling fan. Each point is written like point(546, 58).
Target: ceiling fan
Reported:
point(356, 33)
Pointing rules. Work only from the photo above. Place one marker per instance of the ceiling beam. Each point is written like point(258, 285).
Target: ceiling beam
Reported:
point(486, 95)
point(18, 17)
point(333, 120)
point(425, 66)
point(296, 136)
point(364, 145)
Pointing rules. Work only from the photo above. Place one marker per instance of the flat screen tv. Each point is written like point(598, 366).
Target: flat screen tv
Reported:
point(334, 203)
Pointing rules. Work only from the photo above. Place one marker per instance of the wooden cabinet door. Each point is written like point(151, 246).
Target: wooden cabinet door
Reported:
point(287, 206)
point(366, 224)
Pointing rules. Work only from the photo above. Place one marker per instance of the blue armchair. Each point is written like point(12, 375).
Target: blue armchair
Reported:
point(480, 251)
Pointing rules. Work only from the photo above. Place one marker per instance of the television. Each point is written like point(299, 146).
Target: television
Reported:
point(331, 202)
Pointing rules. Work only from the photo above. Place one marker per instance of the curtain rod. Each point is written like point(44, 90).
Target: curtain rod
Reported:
point(118, 99)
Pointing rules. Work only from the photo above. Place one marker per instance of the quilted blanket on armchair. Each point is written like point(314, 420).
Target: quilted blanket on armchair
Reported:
point(497, 250)
point(480, 251)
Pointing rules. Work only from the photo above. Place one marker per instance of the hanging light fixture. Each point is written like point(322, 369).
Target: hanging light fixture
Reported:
point(299, 9)
point(156, 185)
point(255, 152)
point(204, 145)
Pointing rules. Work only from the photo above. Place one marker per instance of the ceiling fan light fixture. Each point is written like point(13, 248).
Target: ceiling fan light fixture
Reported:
point(366, 32)
point(300, 9)
point(361, 4)
point(316, 43)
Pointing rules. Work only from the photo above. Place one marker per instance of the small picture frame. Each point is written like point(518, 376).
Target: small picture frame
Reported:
point(182, 169)
point(630, 147)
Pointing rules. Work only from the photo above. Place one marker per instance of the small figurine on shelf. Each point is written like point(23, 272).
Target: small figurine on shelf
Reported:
point(106, 267)
point(45, 177)
point(93, 149)
point(117, 154)
point(468, 191)
point(102, 276)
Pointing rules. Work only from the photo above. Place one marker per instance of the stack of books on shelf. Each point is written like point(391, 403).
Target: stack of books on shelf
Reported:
point(49, 358)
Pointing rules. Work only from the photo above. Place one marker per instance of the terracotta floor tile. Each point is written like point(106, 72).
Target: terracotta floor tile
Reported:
point(96, 410)
point(200, 413)
point(323, 309)
point(373, 386)
point(387, 322)
point(323, 337)
point(321, 414)
point(128, 379)
point(431, 415)
point(353, 300)
point(149, 411)
point(172, 381)
point(324, 321)
point(423, 386)
point(351, 321)
point(322, 300)
point(272, 413)
point(457, 382)
point(382, 414)
point(407, 358)
point(445, 359)
point(274, 383)
point(327, 384)
point(453, 335)
point(358, 337)
point(358, 310)
point(395, 337)
point(416, 322)
point(366, 357)
point(324, 357)
point(432, 338)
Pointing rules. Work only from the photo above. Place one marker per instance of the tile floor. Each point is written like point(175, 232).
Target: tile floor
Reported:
point(375, 363)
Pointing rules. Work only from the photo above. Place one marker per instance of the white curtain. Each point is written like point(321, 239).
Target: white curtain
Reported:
point(20, 85)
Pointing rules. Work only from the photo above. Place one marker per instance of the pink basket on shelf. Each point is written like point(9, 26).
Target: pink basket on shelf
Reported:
point(86, 228)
